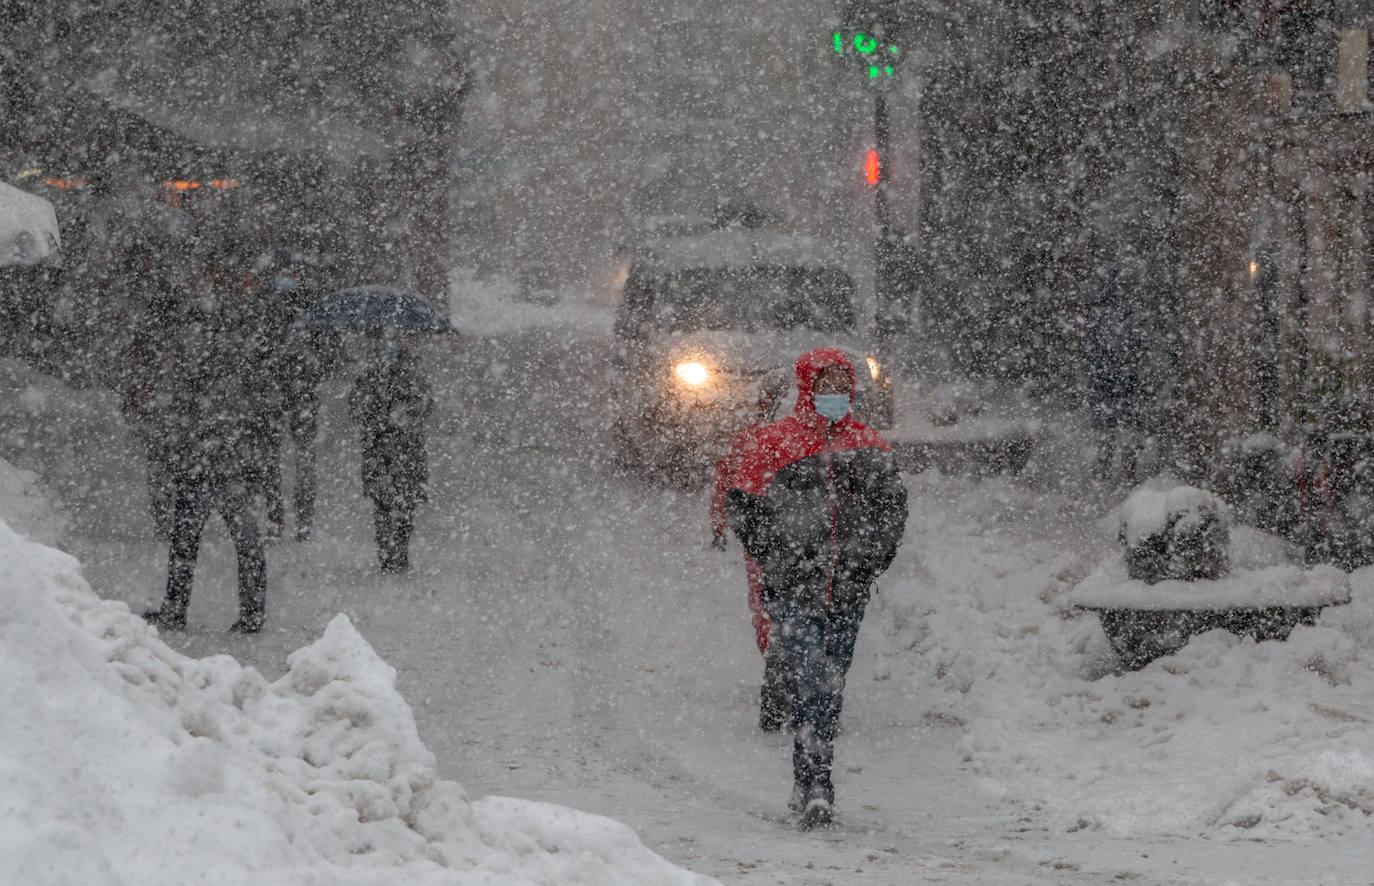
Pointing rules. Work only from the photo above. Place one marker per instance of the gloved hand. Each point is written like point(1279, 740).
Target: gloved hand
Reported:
point(718, 541)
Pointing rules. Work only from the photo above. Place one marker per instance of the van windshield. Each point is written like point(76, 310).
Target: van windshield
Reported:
point(760, 298)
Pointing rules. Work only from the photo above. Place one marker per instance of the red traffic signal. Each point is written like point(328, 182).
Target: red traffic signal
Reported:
point(873, 168)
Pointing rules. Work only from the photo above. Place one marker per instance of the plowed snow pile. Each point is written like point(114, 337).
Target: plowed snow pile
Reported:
point(122, 761)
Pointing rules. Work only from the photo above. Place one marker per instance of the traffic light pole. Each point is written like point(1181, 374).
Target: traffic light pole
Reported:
point(868, 34)
point(886, 320)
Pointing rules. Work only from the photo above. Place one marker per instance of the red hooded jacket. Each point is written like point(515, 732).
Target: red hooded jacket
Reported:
point(819, 504)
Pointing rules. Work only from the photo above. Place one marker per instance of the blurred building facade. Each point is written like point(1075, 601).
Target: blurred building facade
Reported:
point(1276, 152)
point(328, 129)
point(1219, 150)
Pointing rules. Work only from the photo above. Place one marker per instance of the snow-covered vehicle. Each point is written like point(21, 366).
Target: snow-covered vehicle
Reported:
point(1185, 571)
point(705, 319)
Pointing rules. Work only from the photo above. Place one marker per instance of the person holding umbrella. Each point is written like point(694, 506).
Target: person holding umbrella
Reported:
point(390, 401)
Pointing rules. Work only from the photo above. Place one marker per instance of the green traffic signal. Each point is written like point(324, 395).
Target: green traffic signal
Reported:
point(864, 46)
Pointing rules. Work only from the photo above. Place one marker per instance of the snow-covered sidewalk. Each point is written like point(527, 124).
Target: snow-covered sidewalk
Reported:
point(569, 637)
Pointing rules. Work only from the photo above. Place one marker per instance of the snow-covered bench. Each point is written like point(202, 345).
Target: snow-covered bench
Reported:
point(1152, 600)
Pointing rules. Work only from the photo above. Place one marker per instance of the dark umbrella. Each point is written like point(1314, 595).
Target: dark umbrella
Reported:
point(369, 308)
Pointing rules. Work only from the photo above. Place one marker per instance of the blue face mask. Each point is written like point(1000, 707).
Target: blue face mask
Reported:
point(832, 406)
point(286, 283)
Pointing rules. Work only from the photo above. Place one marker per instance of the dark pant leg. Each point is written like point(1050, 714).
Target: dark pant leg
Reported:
point(775, 695)
point(403, 523)
point(763, 625)
point(303, 431)
point(161, 490)
point(394, 517)
point(408, 477)
point(385, 530)
point(235, 504)
point(819, 648)
point(191, 507)
point(802, 640)
point(271, 475)
point(842, 632)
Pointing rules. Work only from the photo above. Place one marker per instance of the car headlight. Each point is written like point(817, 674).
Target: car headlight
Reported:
point(874, 368)
point(692, 373)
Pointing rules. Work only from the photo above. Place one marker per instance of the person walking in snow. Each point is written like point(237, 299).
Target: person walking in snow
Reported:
point(818, 502)
point(775, 693)
point(295, 361)
point(212, 421)
point(390, 401)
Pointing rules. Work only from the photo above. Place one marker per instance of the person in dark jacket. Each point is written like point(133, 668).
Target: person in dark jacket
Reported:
point(1114, 349)
point(294, 362)
point(390, 401)
point(818, 502)
point(212, 421)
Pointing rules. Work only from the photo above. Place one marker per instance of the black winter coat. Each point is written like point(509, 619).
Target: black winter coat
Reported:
point(212, 413)
point(390, 403)
point(819, 505)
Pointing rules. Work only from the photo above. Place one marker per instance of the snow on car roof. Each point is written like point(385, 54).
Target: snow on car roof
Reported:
point(738, 248)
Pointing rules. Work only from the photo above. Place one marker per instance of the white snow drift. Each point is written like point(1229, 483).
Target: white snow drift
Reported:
point(122, 761)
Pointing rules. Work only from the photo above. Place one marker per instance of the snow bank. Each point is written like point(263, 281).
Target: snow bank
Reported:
point(1228, 738)
point(124, 761)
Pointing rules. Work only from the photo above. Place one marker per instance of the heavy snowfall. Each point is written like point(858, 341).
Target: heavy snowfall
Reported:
point(570, 639)
point(562, 685)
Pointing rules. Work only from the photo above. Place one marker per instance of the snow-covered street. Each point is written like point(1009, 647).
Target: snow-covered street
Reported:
point(568, 635)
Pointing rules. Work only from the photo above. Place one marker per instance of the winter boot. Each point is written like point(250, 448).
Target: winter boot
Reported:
point(396, 561)
point(819, 810)
point(248, 623)
point(276, 526)
point(164, 620)
point(171, 615)
point(818, 814)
